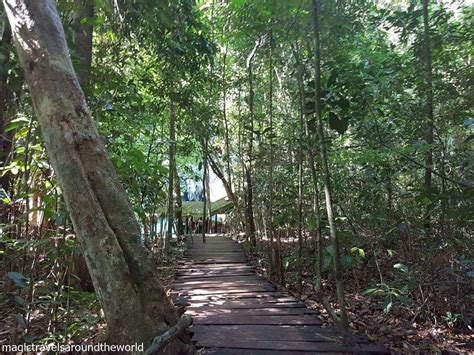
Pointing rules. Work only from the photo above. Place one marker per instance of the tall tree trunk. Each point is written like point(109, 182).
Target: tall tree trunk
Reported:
point(226, 123)
point(299, 73)
point(342, 321)
point(134, 302)
point(204, 187)
point(171, 173)
point(312, 166)
point(317, 214)
point(428, 93)
point(248, 168)
point(274, 263)
point(241, 180)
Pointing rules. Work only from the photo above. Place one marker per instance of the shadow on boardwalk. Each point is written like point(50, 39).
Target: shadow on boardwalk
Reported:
point(236, 311)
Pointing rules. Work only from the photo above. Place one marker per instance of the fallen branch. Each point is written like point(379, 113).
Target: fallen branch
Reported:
point(162, 340)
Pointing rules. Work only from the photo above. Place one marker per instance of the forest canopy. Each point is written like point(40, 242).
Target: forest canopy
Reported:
point(341, 131)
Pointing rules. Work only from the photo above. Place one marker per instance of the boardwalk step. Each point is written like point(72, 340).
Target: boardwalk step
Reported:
point(238, 312)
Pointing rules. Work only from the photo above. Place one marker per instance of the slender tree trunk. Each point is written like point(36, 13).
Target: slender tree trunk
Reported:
point(241, 181)
point(428, 93)
point(208, 192)
point(248, 169)
point(274, 268)
point(312, 166)
point(316, 203)
point(300, 168)
point(127, 284)
point(171, 173)
point(226, 123)
point(179, 205)
point(342, 322)
point(204, 188)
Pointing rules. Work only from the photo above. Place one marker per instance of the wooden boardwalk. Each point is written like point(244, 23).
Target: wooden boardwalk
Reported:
point(236, 311)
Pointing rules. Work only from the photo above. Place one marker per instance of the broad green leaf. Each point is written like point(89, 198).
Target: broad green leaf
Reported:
point(19, 280)
point(401, 267)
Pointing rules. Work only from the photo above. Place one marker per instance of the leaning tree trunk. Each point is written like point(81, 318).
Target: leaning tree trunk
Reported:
point(134, 302)
point(341, 321)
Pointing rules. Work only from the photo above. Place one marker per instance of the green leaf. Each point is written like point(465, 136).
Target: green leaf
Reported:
point(317, 283)
point(387, 305)
point(371, 291)
point(401, 267)
point(20, 320)
point(20, 301)
point(404, 299)
point(338, 124)
point(17, 122)
point(19, 280)
point(359, 251)
point(346, 261)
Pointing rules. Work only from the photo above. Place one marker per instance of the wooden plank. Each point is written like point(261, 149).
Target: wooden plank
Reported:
point(241, 295)
point(234, 342)
point(200, 276)
point(267, 311)
point(224, 291)
point(246, 276)
point(237, 351)
point(290, 346)
point(219, 261)
point(199, 244)
point(218, 267)
point(215, 248)
point(255, 320)
point(213, 271)
point(246, 304)
point(265, 332)
point(237, 329)
point(243, 303)
point(224, 252)
point(219, 284)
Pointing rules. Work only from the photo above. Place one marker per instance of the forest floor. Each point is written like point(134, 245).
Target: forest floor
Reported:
point(405, 328)
point(419, 327)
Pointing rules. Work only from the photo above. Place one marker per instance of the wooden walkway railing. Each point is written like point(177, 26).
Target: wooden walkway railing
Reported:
point(236, 311)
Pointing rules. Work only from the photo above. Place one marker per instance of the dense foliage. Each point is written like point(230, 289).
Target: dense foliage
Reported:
point(236, 80)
